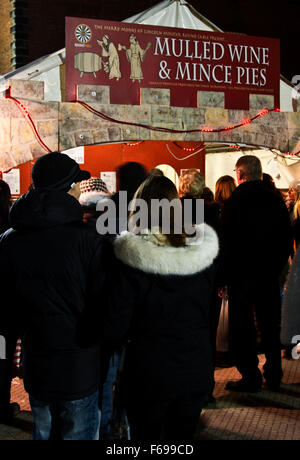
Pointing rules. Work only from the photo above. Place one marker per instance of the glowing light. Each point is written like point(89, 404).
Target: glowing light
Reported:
point(263, 112)
point(207, 130)
point(246, 121)
point(133, 144)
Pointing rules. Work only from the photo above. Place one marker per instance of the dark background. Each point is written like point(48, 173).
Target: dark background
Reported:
point(254, 17)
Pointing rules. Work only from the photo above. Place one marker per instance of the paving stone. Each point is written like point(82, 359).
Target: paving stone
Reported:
point(265, 416)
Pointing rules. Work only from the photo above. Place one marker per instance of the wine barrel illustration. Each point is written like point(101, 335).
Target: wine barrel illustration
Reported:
point(87, 63)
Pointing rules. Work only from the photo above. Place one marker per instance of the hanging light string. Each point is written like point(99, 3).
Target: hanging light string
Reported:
point(133, 144)
point(185, 158)
point(244, 122)
point(177, 131)
point(27, 116)
point(186, 149)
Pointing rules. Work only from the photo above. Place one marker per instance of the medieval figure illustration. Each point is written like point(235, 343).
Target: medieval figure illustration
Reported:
point(135, 55)
point(112, 67)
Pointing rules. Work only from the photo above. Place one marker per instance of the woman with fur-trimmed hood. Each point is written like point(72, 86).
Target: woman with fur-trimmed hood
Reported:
point(167, 278)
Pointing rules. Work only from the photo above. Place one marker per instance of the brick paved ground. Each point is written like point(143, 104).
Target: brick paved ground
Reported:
point(265, 415)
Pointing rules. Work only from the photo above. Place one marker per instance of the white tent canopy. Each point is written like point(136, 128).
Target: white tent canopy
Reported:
point(174, 13)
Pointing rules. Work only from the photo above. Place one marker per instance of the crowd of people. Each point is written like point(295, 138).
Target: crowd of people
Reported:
point(131, 318)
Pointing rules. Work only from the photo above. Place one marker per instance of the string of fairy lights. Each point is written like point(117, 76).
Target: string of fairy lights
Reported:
point(191, 150)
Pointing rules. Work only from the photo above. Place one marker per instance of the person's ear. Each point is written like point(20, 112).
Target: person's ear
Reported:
point(75, 190)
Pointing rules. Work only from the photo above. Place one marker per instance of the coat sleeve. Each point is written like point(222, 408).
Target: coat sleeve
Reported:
point(290, 325)
point(120, 299)
point(110, 299)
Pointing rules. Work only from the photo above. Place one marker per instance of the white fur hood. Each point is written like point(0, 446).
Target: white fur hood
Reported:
point(90, 198)
point(146, 253)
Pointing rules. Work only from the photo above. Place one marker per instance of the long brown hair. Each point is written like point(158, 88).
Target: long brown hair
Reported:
point(159, 188)
point(225, 186)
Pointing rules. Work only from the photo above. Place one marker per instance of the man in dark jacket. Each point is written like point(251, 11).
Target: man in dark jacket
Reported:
point(257, 237)
point(52, 269)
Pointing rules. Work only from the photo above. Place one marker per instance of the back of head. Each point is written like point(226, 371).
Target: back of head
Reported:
point(207, 195)
point(295, 186)
point(155, 172)
point(191, 184)
point(130, 176)
point(249, 168)
point(268, 180)
point(157, 187)
point(225, 186)
point(162, 188)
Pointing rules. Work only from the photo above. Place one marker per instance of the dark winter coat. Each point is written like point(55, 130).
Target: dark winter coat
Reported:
point(52, 269)
point(257, 232)
point(213, 219)
point(290, 327)
point(169, 352)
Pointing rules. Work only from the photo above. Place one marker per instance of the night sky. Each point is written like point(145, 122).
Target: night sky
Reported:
point(254, 17)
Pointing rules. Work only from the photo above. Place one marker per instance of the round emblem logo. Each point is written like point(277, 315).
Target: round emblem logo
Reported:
point(83, 33)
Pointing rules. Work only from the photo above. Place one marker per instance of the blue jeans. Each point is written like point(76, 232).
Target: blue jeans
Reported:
point(107, 398)
point(66, 420)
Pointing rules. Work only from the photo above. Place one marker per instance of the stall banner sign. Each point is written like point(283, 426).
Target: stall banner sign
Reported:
point(127, 57)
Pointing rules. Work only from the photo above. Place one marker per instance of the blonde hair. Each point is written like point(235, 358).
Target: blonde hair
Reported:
point(296, 210)
point(160, 187)
point(225, 185)
point(295, 186)
point(191, 184)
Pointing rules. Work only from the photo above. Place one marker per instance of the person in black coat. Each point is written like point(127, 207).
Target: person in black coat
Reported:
point(52, 274)
point(7, 410)
point(130, 176)
point(290, 324)
point(257, 244)
point(191, 187)
point(168, 369)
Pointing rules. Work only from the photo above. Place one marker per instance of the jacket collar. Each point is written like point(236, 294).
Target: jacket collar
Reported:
point(39, 209)
point(150, 255)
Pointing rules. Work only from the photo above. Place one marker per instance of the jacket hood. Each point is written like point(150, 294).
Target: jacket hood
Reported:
point(150, 255)
point(42, 209)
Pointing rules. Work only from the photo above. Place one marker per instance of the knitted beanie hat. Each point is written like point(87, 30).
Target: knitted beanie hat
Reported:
point(92, 190)
point(94, 184)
